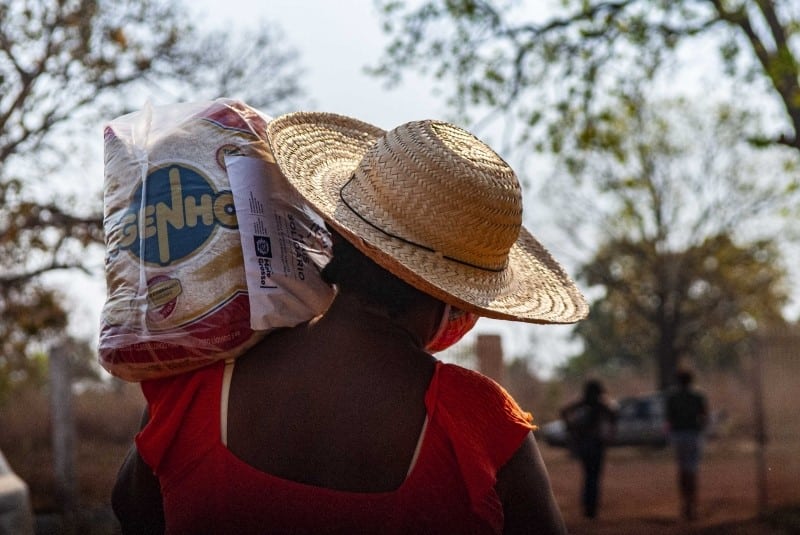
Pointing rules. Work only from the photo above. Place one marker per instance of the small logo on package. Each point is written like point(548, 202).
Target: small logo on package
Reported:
point(263, 246)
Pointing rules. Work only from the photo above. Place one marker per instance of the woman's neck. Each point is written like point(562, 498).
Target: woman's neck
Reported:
point(352, 313)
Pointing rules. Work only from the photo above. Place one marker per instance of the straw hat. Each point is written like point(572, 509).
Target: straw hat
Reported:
point(433, 205)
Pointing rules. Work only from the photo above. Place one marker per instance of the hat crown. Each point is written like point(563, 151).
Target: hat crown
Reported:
point(437, 186)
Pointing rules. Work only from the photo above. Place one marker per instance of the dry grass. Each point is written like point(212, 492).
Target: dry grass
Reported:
point(105, 422)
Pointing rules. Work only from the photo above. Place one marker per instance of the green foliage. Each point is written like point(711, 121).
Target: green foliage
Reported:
point(688, 260)
point(65, 68)
point(569, 64)
point(29, 315)
point(702, 303)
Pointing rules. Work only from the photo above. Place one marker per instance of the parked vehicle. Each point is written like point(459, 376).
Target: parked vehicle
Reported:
point(16, 513)
point(641, 422)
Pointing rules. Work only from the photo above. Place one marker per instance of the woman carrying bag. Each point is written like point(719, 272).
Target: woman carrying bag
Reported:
point(348, 424)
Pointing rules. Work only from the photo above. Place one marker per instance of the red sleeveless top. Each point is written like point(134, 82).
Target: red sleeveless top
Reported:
point(473, 429)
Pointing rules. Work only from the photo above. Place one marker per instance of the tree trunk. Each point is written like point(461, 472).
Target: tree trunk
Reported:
point(667, 365)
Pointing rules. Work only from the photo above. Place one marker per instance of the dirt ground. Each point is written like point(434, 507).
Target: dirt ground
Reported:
point(639, 491)
point(639, 487)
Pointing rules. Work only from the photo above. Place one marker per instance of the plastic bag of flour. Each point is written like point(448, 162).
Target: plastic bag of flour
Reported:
point(180, 294)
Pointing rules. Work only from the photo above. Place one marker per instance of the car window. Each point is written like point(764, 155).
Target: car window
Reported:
point(649, 408)
point(627, 409)
point(643, 411)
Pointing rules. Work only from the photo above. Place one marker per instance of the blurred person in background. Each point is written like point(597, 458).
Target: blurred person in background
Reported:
point(591, 424)
point(347, 423)
point(687, 417)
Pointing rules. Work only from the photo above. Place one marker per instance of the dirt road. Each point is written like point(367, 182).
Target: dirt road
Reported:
point(639, 491)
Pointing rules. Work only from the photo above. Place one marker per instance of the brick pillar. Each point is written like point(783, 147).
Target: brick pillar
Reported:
point(490, 356)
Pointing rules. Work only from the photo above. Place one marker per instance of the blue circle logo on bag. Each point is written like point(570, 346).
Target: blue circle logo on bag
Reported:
point(180, 212)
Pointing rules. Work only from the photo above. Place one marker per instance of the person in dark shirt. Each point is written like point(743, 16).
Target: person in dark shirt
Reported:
point(591, 423)
point(687, 415)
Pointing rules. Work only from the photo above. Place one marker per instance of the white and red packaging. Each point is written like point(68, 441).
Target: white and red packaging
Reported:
point(179, 294)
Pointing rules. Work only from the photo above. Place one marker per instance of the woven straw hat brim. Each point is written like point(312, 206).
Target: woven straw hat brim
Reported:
point(318, 153)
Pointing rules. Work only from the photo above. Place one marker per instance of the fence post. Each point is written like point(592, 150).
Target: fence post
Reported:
point(760, 428)
point(63, 434)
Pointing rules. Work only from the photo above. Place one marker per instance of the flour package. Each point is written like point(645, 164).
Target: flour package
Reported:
point(207, 246)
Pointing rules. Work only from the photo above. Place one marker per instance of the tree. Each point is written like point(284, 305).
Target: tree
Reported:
point(702, 303)
point(684, 211)
point(559, 69)
point(65, 68)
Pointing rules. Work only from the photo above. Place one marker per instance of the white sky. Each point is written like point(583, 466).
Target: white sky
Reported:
point(336, 40)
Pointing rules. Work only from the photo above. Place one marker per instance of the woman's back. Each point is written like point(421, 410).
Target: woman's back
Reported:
point(450, 483)
point(339, 403)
